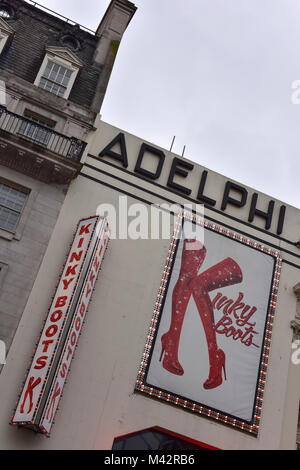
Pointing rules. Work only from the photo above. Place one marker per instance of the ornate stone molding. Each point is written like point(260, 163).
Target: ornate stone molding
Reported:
point(295, 324)
point(65, 54)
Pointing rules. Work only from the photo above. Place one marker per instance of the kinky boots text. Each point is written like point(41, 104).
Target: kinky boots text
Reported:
point(235, 320)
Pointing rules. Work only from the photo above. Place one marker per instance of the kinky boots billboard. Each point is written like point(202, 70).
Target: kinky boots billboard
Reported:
point(208, 344)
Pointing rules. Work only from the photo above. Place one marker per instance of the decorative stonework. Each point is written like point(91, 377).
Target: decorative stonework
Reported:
point(43, 167)
point(295, 324)
point(64, 54)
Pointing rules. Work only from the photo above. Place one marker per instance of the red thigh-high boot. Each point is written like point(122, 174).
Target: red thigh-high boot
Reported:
point(193, 254)
point(225, 273)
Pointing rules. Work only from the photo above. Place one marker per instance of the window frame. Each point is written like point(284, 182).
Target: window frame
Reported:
point(3, 271)
point(20, 213)
point(7, 8)
point(3, 40)
point(61, 62)
point(8, 16)
point(6, 34)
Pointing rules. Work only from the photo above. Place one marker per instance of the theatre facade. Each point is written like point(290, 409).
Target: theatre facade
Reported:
point(165, 314)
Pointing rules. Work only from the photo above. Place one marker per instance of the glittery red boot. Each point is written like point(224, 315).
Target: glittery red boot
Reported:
point(225, 273)
point(193, 255)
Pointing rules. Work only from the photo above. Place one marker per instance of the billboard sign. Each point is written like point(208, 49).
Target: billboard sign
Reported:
point(80, 262)
point(209, 339)
point(64, 364)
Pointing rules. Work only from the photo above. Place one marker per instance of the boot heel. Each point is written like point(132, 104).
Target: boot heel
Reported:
point(170, 362)
point(217, 365)
point(224, 370)
point(163, 345)
point(162, 352)
point(222, 360)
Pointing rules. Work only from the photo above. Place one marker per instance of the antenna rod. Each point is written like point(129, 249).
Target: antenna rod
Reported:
point(172, 143)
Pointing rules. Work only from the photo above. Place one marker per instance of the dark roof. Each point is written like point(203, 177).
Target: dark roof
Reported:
point(34, 30)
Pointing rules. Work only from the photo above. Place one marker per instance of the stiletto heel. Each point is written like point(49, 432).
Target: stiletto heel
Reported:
point(224, 370)
point(169, 352)
point(161, 355)
point(217, 365)
point(163, 347)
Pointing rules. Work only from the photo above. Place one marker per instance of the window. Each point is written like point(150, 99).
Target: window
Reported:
point(3, 270)
point(34, 131)
point(5, 12)
point(70, 41)
point(12, 202)
point(58, 71)
point(3, 39)
point(6, 32)
point(157, 438)
point(55, 78)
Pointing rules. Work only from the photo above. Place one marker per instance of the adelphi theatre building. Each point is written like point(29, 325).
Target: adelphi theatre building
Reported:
point(133, 338)
point(165, 314)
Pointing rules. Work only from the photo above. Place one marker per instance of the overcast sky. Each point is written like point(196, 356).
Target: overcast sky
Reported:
point(217, 74)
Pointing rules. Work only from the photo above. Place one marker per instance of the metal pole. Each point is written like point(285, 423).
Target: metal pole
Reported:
point(172, 143)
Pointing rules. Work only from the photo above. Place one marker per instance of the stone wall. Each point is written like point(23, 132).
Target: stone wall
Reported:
point(22, 255)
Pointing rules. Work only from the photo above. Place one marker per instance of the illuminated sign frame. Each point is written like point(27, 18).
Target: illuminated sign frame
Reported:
point(167, 394)
point(79, 316)
point(79, 262)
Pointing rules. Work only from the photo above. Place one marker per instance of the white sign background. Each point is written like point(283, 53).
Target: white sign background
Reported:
point(236, 395)
point(59, 379)
point(61, 291)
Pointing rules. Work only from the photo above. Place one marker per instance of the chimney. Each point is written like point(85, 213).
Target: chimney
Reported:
point(110, 31)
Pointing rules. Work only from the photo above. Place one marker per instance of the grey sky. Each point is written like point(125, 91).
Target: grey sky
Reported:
point(217, 74)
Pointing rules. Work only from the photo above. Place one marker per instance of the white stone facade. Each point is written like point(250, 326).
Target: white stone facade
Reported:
point(100, 402)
